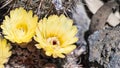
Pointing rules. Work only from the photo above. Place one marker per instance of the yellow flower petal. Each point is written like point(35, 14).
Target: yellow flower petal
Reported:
point(48, 53)
point(67, 49)
point(1, 66)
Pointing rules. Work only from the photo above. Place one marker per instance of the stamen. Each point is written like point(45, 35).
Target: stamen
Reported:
point(53, 41)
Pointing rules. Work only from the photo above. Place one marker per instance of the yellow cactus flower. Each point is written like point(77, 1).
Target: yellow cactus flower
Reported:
point(20, 26)
point(5, 52)
point(56, 35)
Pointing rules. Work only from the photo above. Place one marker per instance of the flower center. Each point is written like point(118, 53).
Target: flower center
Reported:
point(22, 28)
point(53, 41)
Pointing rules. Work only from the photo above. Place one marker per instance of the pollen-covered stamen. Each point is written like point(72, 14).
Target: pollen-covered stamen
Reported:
point(53, 41)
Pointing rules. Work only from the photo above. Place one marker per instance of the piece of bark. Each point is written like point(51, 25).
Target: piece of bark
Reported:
point(100, 17)
point(94, 5)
